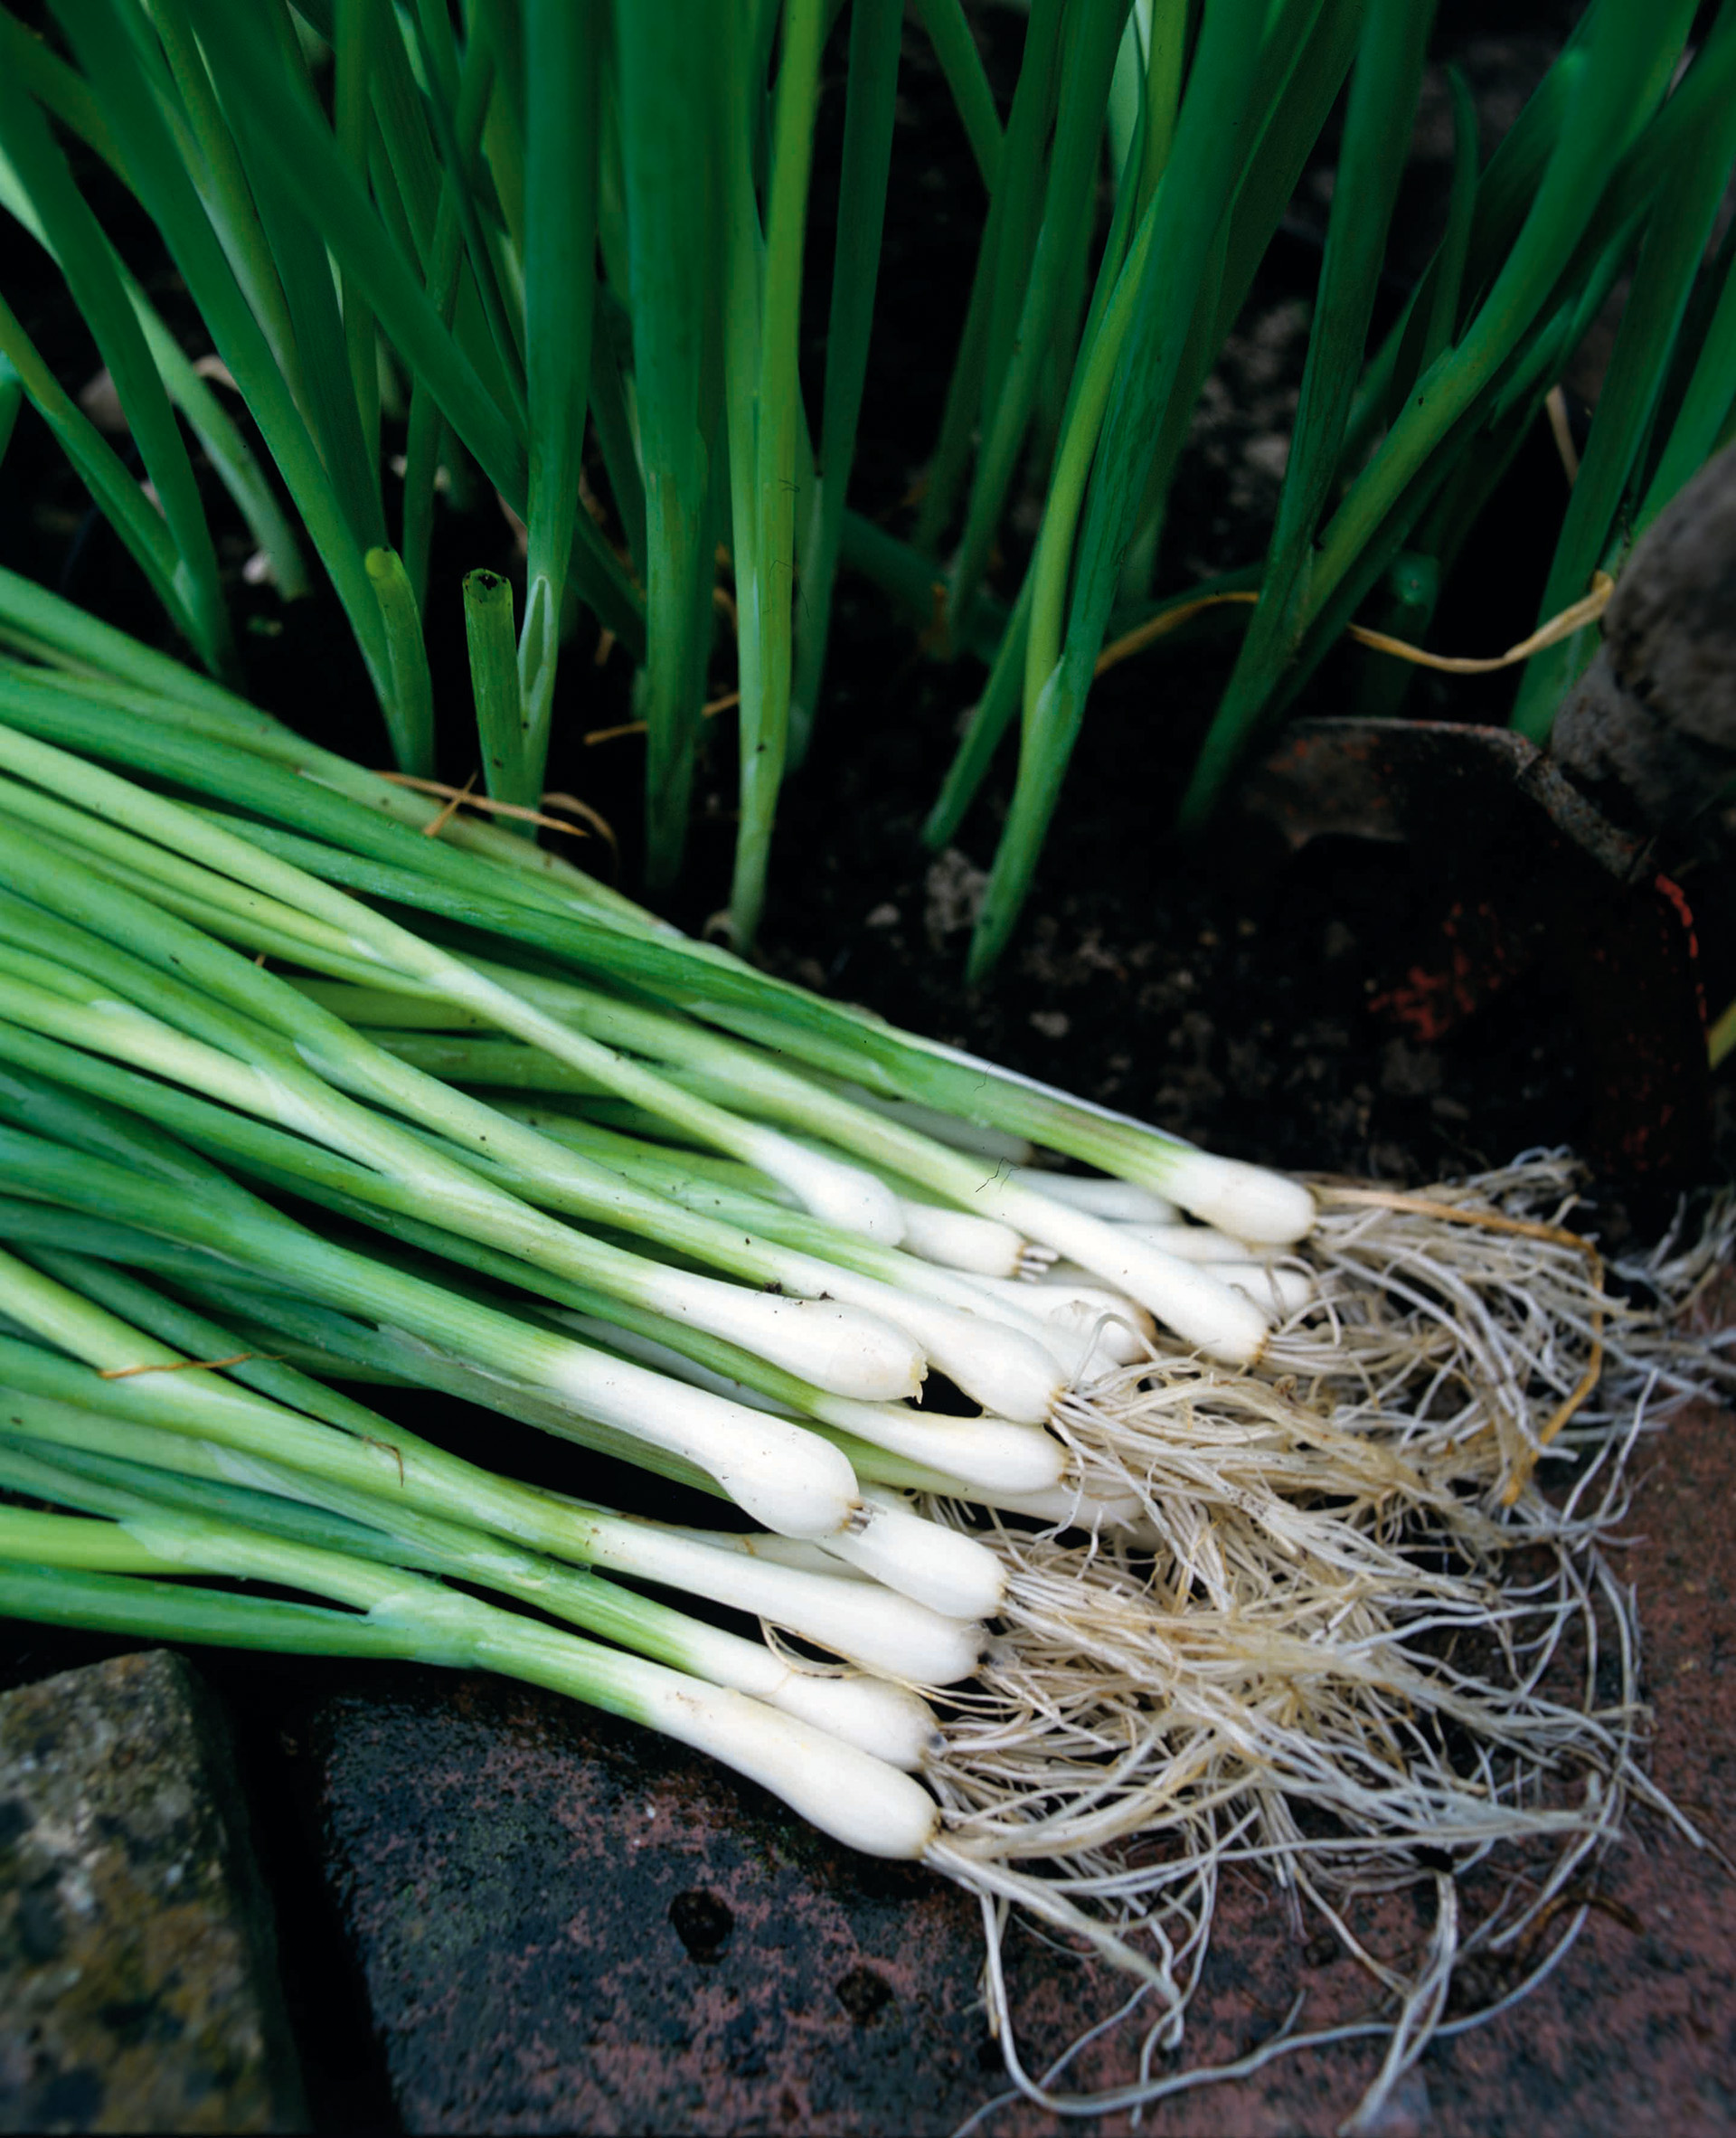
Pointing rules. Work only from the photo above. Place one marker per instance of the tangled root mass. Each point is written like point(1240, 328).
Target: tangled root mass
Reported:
point(1364, 1636)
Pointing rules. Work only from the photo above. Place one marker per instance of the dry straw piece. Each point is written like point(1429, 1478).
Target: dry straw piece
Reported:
point(1575, 617)
point(1365, 1636)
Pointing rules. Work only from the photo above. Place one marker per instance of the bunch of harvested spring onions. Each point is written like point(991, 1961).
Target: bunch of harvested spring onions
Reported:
point(290, 1093)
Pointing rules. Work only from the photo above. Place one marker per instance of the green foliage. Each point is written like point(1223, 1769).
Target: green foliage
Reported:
point(540, 227)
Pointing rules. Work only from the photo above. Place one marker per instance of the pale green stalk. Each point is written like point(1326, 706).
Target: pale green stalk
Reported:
point(196, 1478)
point(781, 1475)
point(828, 1190)
point(848, 1793)
point(773, 471)
point(258, 1074)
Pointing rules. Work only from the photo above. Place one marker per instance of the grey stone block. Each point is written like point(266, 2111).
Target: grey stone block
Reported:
point(137, 1980)
point(1650, 731)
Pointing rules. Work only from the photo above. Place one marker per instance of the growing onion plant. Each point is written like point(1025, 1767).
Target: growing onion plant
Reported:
point(555, 249)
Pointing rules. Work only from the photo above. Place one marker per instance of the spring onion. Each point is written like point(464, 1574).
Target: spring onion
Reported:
point(1245, 1448)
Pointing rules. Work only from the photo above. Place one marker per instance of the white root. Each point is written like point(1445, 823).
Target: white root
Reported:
point(1248, 1202)
point(844, 1350)
point(1123, 1328)
point(950, 1573)
point(1007, 1369)
point(1283, 1291)
point(830, 1187)
point(1120, 1201)
point(958, 1241)
point(891, 1635)
point(861, 1800)
point(789, 1479)
point(1184, 1297)
point(1349, 1642)
point(886, 1720)
point(1194, 1243)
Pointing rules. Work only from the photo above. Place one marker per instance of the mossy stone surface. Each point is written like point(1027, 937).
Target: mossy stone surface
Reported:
point(138, 1971)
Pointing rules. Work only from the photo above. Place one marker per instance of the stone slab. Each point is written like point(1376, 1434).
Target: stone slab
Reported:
point(137, 1982)
point(564, 1924)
